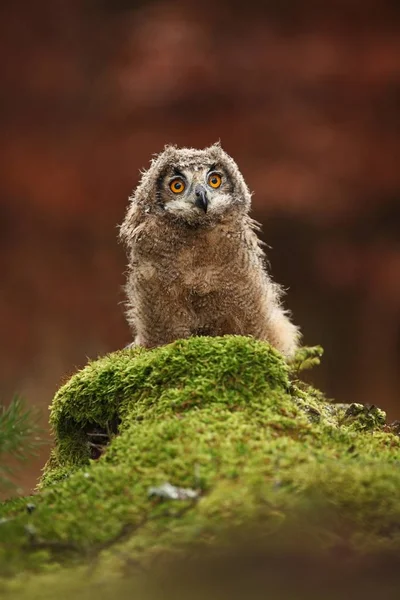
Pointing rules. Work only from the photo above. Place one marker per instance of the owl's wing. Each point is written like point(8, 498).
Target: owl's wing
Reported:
point(132, 224)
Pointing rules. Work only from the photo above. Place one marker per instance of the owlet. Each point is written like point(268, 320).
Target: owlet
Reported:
point(196, 266)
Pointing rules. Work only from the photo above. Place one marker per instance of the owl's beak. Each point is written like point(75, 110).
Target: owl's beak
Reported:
point(201, 197)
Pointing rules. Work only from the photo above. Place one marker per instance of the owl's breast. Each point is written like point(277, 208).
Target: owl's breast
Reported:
point(192, 262)
point(201, 280)
point(207, 262)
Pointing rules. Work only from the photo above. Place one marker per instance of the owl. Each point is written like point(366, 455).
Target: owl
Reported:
point(196, 265)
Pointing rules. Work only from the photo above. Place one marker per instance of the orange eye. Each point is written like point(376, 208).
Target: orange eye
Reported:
point(177, 185)
point(214, 180)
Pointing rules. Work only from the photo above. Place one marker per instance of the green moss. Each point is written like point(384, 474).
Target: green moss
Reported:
point(134, 385)
point(219, 415)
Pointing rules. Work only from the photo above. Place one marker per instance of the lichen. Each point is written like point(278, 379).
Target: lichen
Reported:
point(226, 417)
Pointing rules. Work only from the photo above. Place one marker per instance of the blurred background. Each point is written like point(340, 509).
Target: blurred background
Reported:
point(306, 97)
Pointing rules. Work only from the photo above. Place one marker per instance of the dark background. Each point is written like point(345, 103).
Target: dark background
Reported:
point(306, 97)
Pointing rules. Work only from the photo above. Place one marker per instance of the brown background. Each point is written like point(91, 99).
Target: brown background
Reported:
point(305, 95)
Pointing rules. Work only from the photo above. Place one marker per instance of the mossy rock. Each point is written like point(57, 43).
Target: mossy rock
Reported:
point(220, 416)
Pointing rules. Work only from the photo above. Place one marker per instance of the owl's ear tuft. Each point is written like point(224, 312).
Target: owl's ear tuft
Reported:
point(158, 164)
point(169, 149)
point(167, 154)
point(216, 145)
point(217, 151)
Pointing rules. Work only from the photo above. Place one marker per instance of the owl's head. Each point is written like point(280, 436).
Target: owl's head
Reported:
point(193, 187)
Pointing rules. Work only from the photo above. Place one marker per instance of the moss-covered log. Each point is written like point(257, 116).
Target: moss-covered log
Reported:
point(223, 418)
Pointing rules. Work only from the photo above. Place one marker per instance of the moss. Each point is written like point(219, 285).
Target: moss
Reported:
point(174, 379)
point(220, 416)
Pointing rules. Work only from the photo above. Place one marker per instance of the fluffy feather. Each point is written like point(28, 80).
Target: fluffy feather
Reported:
point(196, 273)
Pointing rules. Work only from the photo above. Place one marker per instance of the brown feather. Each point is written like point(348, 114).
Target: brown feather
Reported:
point(199, 274)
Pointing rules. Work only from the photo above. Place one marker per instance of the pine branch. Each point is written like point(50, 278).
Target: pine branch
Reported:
point(18, 436)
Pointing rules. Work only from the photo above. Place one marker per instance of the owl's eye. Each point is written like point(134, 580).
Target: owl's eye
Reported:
point(214, 180)
point(177, 185)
